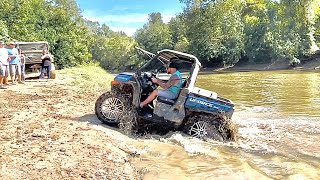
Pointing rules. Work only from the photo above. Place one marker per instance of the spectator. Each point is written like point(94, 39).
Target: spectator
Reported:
point(14, 63)
point(46, 64)
point(4, 66)
point(22, 66)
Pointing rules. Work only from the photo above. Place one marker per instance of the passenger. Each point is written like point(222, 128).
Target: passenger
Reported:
point(46, 64)
point(170, 89)
point(14, 63)
point(4, 65)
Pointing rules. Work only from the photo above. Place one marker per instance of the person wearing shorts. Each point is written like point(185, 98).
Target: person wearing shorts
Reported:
point(46, 64)
point(4, 66)
point(14, 63)
point(171, 88)
point(22, 66)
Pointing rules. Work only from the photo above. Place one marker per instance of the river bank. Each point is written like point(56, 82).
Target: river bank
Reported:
point(45, 130)
point(308, 63)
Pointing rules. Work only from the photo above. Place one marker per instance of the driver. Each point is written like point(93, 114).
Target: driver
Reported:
point(170, 89)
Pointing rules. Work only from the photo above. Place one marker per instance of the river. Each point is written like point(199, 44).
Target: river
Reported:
point(278, 115)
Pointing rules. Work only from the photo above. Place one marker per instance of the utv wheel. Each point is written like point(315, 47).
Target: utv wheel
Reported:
point(110, 107)
point(213, 126)
point(203, 129)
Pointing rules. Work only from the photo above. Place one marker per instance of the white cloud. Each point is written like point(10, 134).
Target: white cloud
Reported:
point(127, 23)
point(128, 30)
point(127, 18)
point(167, 17)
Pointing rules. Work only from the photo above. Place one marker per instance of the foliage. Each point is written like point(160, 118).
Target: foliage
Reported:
point(155, 35)
point(215, 30)
point(290, 35)
point(317, 23)
point(3, 31)
point(114, 51)
point(256, 22)
point(118, 52)
point(178, 31)
point(258, 30)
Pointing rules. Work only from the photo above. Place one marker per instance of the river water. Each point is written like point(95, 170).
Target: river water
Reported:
point(278, 115)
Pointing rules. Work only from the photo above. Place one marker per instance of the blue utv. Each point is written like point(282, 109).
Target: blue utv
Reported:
point(197, 112)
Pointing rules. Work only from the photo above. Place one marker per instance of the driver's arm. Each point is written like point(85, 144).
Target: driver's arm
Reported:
point(172, 81)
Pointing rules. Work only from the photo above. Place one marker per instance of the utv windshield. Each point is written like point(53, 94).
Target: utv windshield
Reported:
point(154, 64)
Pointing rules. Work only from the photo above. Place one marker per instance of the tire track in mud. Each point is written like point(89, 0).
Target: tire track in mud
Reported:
point(40, 136)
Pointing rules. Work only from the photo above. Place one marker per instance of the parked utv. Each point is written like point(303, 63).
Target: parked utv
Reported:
point(33, 52)
point(197, 112)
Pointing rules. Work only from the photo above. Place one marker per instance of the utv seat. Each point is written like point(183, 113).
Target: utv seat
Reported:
point(171, 101)
point(166, 100)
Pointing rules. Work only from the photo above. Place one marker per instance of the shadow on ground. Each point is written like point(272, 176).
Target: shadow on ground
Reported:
point(144, 132)
point(93, 120)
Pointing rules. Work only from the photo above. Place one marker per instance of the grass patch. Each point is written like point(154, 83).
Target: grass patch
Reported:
point(89, 77)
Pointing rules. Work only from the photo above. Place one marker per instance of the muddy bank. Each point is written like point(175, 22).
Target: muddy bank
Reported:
point(45, 131)
point(308, 63)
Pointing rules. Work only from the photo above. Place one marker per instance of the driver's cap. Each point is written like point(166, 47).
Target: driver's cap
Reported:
point(173, 65)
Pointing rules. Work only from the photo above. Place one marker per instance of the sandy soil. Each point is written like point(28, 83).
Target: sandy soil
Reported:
point(46, 133)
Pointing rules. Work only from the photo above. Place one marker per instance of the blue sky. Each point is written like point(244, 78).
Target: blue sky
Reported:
point(127, 15)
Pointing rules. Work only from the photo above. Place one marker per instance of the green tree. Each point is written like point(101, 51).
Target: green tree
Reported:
point(317, 23)
point(215, 30)
point(178, 31)
point(3, 31)
point(291, 31)
point(117, 52)
point(70, 36)
point(155, 35)
point(99, 34)
point(256, 25)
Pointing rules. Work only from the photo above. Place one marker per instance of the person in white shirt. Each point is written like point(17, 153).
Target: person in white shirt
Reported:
point(4, 65)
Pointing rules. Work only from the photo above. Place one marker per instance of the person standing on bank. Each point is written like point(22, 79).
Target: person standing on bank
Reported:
point(22, 65)
point(14, 63)
point(46, 64)
point(4, 65)
point(170, 89)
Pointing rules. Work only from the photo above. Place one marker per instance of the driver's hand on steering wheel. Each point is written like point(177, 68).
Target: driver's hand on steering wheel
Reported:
point(154, 80)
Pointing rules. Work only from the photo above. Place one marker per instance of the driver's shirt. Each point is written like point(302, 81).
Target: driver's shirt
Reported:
point(176, 88)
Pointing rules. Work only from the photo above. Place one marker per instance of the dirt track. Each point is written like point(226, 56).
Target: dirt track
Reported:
point(44, 134)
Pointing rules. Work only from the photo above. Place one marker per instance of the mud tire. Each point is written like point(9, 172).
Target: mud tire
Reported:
point(110, 107)
point(128, 121)
point(208, 126)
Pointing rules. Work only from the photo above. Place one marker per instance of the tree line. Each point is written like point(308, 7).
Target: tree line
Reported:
point(218, 32)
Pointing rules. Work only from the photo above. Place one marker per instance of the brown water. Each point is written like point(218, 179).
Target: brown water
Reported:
point(278, 114)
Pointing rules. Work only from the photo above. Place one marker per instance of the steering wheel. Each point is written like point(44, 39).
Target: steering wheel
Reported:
point(148, 80)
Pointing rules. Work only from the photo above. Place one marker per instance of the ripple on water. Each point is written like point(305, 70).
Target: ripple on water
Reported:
point(180, 156)
point(288, 135)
